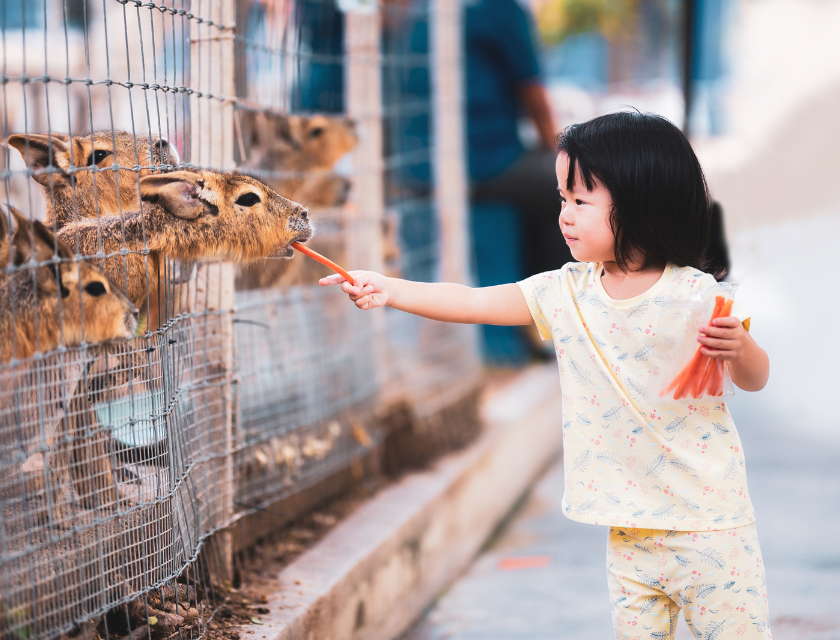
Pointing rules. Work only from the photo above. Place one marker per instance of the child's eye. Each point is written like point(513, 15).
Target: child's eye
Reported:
point(579, 202)
point(562, 200)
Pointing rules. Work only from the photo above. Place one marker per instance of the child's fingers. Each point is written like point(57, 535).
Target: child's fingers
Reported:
point(720, 332)
point(333, 279)
point(730, 322)
point(718, 343)
point(718, 353)
point(364, 302)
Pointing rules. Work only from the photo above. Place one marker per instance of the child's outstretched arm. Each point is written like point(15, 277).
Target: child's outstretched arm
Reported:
point(728, 340)
point(502, 305)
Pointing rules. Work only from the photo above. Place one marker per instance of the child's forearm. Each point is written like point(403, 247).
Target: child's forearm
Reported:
point(502, 305)
point(751, 369)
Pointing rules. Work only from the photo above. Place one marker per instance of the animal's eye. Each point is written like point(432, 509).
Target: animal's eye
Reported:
point(316, 132)
point(95, 289)
point(248, 199)
point(98, 156)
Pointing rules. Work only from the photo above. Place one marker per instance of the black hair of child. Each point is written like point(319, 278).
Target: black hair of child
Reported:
point(661, 204)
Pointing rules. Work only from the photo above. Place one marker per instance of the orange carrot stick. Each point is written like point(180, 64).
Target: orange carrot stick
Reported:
point(689, 378)
point(714, 378)
point(713, 384)
point(702, 380)
point(324, 261)
point(716, 382)
point(685, 385)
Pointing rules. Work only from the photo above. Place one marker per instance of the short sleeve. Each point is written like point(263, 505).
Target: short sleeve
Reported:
point(535, 291)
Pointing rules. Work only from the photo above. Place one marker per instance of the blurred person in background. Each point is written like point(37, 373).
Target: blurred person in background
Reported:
point(503, 83)
point(513, 188)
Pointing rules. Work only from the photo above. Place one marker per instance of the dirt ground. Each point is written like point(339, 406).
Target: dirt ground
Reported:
point(258, 574)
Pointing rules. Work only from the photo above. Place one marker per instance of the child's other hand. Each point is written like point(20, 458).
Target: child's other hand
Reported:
point(725, 339)
point(369, 290)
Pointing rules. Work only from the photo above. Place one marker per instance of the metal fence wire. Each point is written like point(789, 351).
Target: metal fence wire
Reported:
point(163, 374)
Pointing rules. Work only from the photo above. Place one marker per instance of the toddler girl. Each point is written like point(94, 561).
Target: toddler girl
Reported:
point(666, 476)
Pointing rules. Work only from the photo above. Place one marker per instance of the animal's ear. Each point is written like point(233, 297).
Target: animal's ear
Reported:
point(34, 238)
point(22, 241)
point(163, 152)
point(40, 150)
point(287, 129)
point(47, 245)
point(177, 192)
point(46, 240)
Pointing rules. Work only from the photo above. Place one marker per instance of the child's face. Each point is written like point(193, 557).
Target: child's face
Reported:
point(585, 217)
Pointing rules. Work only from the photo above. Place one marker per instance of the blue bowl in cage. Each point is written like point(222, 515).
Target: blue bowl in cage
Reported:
point(133, 421)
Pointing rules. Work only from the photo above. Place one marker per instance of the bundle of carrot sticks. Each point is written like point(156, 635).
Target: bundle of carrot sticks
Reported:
point(702, 375)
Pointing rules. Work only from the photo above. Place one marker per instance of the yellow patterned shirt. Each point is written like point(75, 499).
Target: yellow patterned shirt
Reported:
point(631, 460)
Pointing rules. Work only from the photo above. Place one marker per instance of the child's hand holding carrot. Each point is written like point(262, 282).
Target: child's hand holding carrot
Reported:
point(724, 339)
point(727, 339)
point(369, 289)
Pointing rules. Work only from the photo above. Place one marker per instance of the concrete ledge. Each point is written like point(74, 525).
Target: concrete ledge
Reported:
point(376, 572)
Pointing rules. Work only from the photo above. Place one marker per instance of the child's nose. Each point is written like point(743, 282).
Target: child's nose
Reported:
point(565, 219)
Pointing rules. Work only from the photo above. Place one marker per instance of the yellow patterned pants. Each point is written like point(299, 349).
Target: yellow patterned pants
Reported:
point(715, 577)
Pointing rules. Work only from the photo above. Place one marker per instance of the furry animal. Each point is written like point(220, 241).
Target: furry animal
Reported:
point(67, 303)
point(75, 174)
point(295, 143)
point(300, 153)
point(41, 307)
point(191, 216)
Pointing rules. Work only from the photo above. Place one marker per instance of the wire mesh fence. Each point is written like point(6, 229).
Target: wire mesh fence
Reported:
point(152, 394)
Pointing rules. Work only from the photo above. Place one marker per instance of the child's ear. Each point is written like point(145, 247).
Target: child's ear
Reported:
point(42, 150)
point(177, 192)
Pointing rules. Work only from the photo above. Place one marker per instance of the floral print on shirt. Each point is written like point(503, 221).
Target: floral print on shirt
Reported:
point(630, 460)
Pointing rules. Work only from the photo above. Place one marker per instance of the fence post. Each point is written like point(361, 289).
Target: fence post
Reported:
point(211, 145)
point(450, 174)
point(364, 103)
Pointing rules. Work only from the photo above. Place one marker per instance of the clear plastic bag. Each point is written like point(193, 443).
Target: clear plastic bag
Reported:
point(684, 372)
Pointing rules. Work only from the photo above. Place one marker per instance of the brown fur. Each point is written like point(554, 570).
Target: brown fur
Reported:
point(295, 143)
point(71, 189)
point(41, 315)
point(303, 151)
point(190, 216)
point(77, 304)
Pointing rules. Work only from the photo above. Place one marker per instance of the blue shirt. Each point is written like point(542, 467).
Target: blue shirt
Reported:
point(501, 56)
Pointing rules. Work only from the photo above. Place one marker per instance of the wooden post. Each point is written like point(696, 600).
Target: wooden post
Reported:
point(211, 145)
point(364, 103)
point(449, 133)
